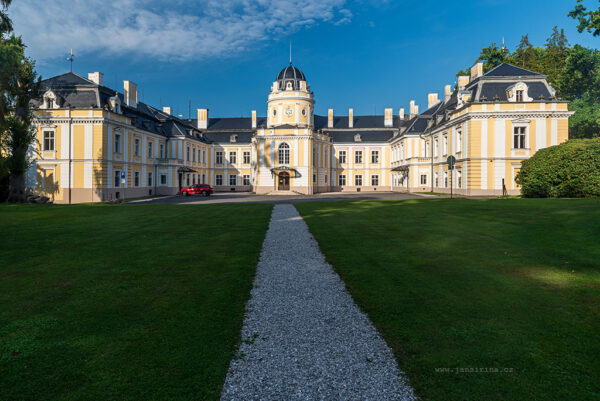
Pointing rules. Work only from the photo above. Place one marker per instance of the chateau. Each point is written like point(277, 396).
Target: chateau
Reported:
point(90, 136)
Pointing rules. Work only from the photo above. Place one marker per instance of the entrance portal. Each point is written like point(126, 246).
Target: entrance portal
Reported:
point(283, 181)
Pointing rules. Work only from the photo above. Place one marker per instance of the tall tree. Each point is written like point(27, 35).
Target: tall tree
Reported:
point(588, 20)
point(557, 51)
point(492, 56)
point(525, 56)
point(5, 22)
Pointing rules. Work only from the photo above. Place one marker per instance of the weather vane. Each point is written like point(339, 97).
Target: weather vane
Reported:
point(71, 58)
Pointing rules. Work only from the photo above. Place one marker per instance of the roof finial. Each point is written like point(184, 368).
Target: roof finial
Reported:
point(71, 58)
point(290, 52)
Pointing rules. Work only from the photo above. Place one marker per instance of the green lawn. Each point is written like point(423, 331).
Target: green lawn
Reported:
point(499, 283)
point(128, 302)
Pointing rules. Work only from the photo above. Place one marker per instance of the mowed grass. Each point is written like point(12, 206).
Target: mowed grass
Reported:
point(457, 286)
point(129, 302)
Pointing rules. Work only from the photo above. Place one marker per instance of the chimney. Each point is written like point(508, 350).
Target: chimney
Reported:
point(330, 118)
point(413, 109)
point(388, 117)
point(167, 110)
point(401, 113)
point(463, 81)
point(447, 92)
point(350, 118)
point(96, 77)
point(476, 71)
point(131, 93)
point(416, 110)
point(432, 100)
point(202, 118)
point(253, 119)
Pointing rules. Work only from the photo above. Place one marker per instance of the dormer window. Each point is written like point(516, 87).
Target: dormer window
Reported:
point(233, 138)
point(518, 93)
point(357, 138)
point(50, 101)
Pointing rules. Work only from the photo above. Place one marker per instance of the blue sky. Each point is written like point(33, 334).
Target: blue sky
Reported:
point(225, 54)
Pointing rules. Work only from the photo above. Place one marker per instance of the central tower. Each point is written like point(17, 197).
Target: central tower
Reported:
point(290, 102)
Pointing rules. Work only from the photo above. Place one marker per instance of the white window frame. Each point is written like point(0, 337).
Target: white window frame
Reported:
point(150, 149)
point(342, 180)
point(374, 157)
point(525, 134)
point(246, 157)
point(358, 157)
point(117, 143)
point(136, 147)
point(219, 157)
point(423, 179)
point(342, 157)
point(233, 157)
point(150, 179)
point(358, 180)
point(283, 153)
point(374, 180)
point(50, 140)
point(164, 179)
point(219, 179)
point(232, 180)
point(246, 179)
point(136, 178)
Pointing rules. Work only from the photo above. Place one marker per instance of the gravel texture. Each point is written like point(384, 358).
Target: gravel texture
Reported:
point(303, 336)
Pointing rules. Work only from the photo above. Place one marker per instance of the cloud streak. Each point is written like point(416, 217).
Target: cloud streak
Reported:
point(176, 30)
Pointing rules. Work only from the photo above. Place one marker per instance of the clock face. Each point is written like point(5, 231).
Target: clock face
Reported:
point(288, 111)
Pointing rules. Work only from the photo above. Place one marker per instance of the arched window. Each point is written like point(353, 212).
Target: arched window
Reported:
point(283, 153)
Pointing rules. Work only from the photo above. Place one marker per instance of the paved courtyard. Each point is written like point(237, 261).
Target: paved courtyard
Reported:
point(303, 336)
point(235, 197)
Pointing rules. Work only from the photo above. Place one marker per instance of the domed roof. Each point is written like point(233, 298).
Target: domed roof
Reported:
point(291, 72)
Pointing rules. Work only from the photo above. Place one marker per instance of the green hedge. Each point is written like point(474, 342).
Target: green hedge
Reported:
point(569, 170)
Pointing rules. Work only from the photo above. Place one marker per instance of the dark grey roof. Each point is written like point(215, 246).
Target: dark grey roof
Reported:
point(361, 122)
point(230, 123)
point(290, 72)
point(225, 137)
point(67, 79)
point(496, 91)
point(509, 70)
point(365, 136)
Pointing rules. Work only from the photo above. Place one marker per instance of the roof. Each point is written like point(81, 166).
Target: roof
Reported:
point(361, 122)
point(497, 91)
point(365, 136)
point(509, 70)
point(225, 137)
point(291, 72)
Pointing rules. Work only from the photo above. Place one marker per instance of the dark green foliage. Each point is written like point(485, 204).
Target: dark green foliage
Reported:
point(569, 170)
point(129, 302)
point(588, 20)
point(489, 283)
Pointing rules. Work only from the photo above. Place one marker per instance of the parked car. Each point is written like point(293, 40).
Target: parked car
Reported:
point(198, 189)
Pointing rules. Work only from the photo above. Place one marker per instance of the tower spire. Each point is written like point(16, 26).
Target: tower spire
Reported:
point(290, 52)
point(71, 58)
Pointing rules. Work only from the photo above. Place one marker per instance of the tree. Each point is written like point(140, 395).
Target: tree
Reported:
point(588, 20)
point(492, 56)
point(526, 56)
point(557, 51)
point(19, 84)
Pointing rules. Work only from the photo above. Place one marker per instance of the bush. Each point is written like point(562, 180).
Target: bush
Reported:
point(569, 170)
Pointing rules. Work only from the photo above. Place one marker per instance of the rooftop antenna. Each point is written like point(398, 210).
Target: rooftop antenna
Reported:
point(71, 58)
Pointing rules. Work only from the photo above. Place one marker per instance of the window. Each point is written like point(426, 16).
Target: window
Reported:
point(314, 178)
point(274, 112)
point(342, 158)
point(163, 179)
point(187, 179)
point(437, 179)
point(358, 157)
point(283, 153)
point(233, 157)
point(233, 179)
point(194, 179)
point(358, 180)
point(342, 180)
point(519, 96)
point(445, 145)
point(203, 179)
point(436, 148)
point(459, 178)
point(117, 178)
point(149, 179)
point(136, 147)
point(48, 140)
point(423, 179)
point(187, 154)
point(426, 149)
point(50, 102)
point(194, 155)
point(519, 137)
point(150, 150)
point(204, 156)
point(136, 179)
point(219, 179)
point(374, 180)
point(117, 143)
point(459, 141)
point(246, 179)
point(375, 156)
point(246, 157)
point(219, 158)
point(162, 151)
point(445, 179)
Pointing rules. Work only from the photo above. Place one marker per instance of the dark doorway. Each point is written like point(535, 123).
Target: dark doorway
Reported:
point(180, 180)
point(283, 183)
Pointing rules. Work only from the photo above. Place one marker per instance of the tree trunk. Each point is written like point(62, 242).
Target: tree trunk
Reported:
point(16, 189)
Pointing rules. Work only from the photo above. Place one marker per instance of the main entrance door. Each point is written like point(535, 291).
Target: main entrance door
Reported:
point(283, 181)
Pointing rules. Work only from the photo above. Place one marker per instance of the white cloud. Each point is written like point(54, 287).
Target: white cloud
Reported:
point(176, 30)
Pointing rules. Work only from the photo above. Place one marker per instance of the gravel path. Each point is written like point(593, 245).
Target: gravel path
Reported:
point(303, 337)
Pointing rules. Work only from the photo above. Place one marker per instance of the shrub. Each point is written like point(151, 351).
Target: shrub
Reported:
point(569, 170)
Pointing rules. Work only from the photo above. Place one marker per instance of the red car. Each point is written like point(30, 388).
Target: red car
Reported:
point(198, 189)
